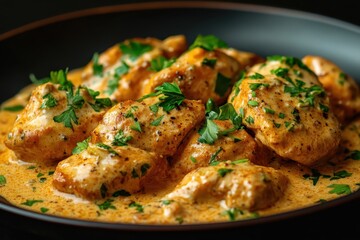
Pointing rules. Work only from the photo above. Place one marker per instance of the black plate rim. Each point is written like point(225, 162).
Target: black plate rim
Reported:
point(181, 4)
point(171, 5)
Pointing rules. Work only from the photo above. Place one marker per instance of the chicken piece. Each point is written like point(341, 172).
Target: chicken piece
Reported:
point(122, 71)
point(101, 171)
point(235, 185)
point(238, 145)
point(200, 74)
point(343, 91)
point(37, 137)
point(160, 132)
point(245, 59)
point(283, 103)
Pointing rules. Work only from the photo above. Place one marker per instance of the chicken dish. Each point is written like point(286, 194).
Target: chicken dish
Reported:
point(160, 131)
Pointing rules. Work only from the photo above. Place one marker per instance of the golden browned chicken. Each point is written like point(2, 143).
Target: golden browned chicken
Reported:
point(132, 135)
point(238, 145)
point(200, 74)
point(56, 117)
point(284, 104)
point(101, 171)
point(343, 91)
point(122, 71)
point(243, 186)
point(160, 132)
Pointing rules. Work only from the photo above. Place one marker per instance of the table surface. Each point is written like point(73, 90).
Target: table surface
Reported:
point(334, 224)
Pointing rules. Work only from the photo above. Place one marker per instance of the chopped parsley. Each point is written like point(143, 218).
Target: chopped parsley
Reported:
point(253, 103)
point(103, 190)
point(290, 61)
point(250, 120)
point(144, 168)
point(107, 204)
point(49, 101)
point(209, 62)
point(107, 147)
point(355, 155)
point(256, 76)
point(157, 121)
point(213, 161)
point(255, 86)
point(44, 210)
point(31, 202)
point(113, 83)
point(223, 171)
point(136, 126)
point(166, 202)
point(315, 176)
point(121, 192)
point(222, 84)
point(137, 206)
point(269, 111)
point(209, 132)
point(14, 108)
point(97, 68)
point(134, 49)
point(81, 146)
point(120, 139)
point(160, 63)
point(172, 98)
point(340, 174)
point(193, 159)
point(281, 115)
point(340, 189)
point(208, 42)
point(342, 78)
point(233, 213)
point(2, 180)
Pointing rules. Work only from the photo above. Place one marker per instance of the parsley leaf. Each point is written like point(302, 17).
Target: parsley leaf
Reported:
point(208, 42)
point(134, 49)
point(137, 206)
point(107, 147)
point(355, 155)
point(49, 101)
point(340, 189)
point(222, 84)
point(107, 204)
point(97, 68)
point(121, 192)
point(14, 108)
point(340, 174)
point(2, 180)
point(232, 213)
point(120, 139)
point(160, 63)
point(31, 202)
point(209, 132)
point(81, 146)
point(209, 62)
point(212, 161)
point(315, 176)
point(113, 83)
point(223, 171)
point(157, 121)
point(172, 98)
point(144, 168)
point(136, 126)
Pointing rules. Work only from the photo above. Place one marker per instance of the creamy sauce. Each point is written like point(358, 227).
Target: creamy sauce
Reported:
point(29, 186)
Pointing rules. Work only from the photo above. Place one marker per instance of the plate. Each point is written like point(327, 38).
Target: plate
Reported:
point(70, 40)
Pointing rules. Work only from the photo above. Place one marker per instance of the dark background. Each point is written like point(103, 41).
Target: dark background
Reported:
point(16, 13)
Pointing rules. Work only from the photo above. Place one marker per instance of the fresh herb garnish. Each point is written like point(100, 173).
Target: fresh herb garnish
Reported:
point(233, 213)
point(193, 159)
point(213, 161)
point(172, 98)
point(81, 146)
point(209, 62)
point(134, 49)
point(136, 126)
point(222, 84)
point(2, 180)
point(160, 63)
point(44, 210)
point(157, 121)
point(340, 174)
point(31, 202)
point(121, 192)
point(209, 132)
point(256, 76)
point(107, 204)
point(137, 206)
point(315, 176)
point(49, 101)
point(107, 147)
point(144, 168)
point(223, 171)
point(340, 189)
point(14, 108)
point(97, 68)
point(120, 139)
point(208, 42)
